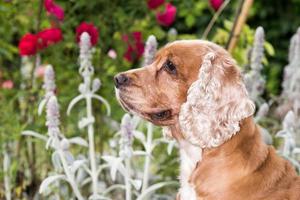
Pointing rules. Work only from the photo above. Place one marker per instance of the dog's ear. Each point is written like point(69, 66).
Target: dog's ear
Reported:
point(216, 102)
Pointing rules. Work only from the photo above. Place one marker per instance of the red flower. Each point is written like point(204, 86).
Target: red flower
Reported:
point(48, 37)
point(153, 4)
point(90, 29)
point(168, 16)
point(48, 4)
point(28, 45)
point(216, 4)
point(54, 9)
point(135, 46)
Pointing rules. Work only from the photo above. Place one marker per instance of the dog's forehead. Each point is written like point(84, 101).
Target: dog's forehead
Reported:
point(183, 47)
point(188, 44)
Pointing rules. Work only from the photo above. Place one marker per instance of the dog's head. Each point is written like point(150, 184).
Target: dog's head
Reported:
point(194, 81)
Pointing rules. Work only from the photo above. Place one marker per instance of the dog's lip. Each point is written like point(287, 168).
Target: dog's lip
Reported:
point(126, 106)
point(148, 115)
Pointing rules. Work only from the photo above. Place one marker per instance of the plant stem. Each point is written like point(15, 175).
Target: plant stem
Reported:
point(127, 178)
point(148, 156)
point(31, 159)
point(92, 145)
point(37, 63)
point(238, 24)
point(214, 19)
point(37, 29)
point(6, 164)
point(70, 175)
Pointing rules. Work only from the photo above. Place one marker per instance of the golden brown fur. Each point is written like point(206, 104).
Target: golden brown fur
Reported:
point(242, 167)
point(245, 168)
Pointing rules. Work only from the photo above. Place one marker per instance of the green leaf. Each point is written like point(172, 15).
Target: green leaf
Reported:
point(200, 6)
point(187, 36)
point(269, 49)
point(190, 20)
point(228, 25)
point(158, 32)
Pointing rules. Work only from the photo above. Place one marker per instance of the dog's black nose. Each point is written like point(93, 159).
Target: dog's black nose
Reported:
point(121, 80)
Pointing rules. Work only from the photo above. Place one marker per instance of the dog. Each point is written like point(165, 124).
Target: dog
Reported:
point(195, 91)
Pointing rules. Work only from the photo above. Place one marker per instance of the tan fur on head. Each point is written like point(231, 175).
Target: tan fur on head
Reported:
point(206, 90)
point(216, 103)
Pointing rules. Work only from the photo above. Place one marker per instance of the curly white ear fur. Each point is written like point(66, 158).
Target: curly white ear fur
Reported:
point(216, 103)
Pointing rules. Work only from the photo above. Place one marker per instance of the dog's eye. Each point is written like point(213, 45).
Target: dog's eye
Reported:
point(170, 67)
point(161, 115)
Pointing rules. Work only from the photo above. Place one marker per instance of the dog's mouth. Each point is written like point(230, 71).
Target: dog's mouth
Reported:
point(158, 116)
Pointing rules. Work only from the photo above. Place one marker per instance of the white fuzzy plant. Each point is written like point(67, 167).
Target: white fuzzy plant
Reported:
point(291, 88)
point(122, 163)
point(291, 95)
point(88, 90)
point(137, 187)
point(290, 129)
point(255, 82)
point(62, 158)
point(64, 163)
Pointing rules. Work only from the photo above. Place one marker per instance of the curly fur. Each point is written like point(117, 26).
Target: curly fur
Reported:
point(214, 105)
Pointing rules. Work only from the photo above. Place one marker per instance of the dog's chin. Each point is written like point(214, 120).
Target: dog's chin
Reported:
point(147, 115)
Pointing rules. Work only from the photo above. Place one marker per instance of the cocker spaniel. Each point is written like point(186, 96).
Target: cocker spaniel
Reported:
point(194, 89)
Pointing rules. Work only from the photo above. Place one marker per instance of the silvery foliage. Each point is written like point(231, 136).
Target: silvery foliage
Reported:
point(172, 34)
point(64, 163)
point(74, 171)
point(90, 86)
point(49, 87)
point(150, 50)
point(138, 185)
point(290, 132)
point(122, 163)
point(26, 70)
point(290, 85)
point(87, 91)
point(255, 82)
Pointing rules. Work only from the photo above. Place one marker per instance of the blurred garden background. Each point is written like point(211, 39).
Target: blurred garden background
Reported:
point(38, 33)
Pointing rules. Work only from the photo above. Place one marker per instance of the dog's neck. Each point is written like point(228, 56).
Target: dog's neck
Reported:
point(201, 168)
point(243, 137)
point(220, 167)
